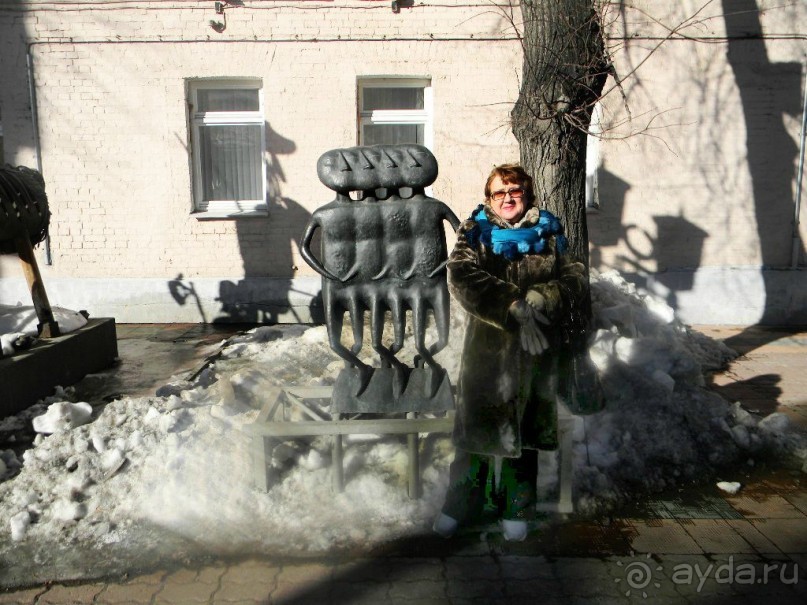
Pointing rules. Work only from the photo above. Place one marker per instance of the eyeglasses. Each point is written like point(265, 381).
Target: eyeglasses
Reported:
point(516, 193)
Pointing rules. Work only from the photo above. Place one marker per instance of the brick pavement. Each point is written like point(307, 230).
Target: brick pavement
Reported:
point(696, 545)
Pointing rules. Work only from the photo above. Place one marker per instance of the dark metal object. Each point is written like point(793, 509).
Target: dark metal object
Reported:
point(385, 251)
point(33, 374)
point(23, 207)
point(24, 219)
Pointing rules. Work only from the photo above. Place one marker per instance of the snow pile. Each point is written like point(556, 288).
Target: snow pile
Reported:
point(171, 476)
point(18, 326)
point(22, 319)
point(660, 426)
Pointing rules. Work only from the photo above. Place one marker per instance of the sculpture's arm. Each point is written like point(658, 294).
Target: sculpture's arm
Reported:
point(305, 251)
point(452, 219)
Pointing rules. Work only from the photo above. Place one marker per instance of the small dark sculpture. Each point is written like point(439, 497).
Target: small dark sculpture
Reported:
point(24, 218)
point(385, 251)
point(23, 207)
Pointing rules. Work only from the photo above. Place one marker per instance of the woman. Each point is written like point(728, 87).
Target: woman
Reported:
point(509, 272)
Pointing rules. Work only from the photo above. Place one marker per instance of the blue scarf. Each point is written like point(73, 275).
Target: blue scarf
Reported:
point(514, 243)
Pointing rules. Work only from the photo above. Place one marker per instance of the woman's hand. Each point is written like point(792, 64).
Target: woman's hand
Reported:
point(537, 302)
point(532, 338)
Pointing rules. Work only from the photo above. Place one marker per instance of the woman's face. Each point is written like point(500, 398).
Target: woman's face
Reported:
point(508, 200)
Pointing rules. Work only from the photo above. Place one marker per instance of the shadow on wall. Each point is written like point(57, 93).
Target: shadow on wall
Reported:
point(768, 92)
point(678, 243)
point(267, 246)
point(184, 292)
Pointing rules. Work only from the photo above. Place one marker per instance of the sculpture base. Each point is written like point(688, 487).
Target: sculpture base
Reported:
point(421, 393)
point(33, 374)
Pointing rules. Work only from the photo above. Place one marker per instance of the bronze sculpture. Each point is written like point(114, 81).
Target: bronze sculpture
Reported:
point(384, 251)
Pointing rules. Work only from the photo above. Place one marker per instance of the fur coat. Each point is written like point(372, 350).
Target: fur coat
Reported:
point(506, 397)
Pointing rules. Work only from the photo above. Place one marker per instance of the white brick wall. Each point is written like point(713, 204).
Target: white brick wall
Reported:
point(110, 88)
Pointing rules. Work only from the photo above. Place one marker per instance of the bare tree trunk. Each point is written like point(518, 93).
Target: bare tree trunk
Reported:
point(565, 68)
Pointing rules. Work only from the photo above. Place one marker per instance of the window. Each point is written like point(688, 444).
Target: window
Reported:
point(395, 110)
point(227, 139)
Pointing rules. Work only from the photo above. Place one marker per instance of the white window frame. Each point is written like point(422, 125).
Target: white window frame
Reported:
point(225, 208)
point(423, 116)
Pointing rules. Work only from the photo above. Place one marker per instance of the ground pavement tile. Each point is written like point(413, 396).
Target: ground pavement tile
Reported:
point(302, 583)
point(754, 595)
point(250, 572)
point(535, 598)
point(598, 600)
point(247, 581)
point(154, 578)
point(355, 592)
point(20, 597)
point(798, 499)
point(404, 601)
point(716, 536)
point(190, 585)
point(586, 578)
point(115, 594)
point(799, 559)
point(658, 536)
point(789, 535)
point(767, 506)
point(526, 568)
point(194, 592)
point(748, 531)
point(358, 570)
point(581, 568)
point(542, 587)
point(59, 594)
point(467, 588)
point(419, 590)
point(242, 593)
point(410, 569)
point(680, 572)
point(490, 600)
point(472, 568)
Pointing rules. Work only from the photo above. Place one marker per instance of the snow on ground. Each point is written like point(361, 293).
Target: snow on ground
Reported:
point(169, 477)
point(19, 320)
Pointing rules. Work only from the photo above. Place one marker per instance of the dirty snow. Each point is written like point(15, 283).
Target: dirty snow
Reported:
point(169, 478)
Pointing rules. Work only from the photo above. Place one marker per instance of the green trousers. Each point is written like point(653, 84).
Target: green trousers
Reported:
point(477, 493)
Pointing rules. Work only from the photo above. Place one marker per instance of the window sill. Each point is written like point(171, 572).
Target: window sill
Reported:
point(223, 215)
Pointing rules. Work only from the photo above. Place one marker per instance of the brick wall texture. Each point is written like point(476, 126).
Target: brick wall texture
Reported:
point(702, 133)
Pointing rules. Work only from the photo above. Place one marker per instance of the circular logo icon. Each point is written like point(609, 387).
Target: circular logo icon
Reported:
point(639, 575)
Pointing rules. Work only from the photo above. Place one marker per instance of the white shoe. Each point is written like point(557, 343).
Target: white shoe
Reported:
point(445, 526)
point(514, 531)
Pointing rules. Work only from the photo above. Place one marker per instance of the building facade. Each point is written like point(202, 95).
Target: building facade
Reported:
point(179, 141)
